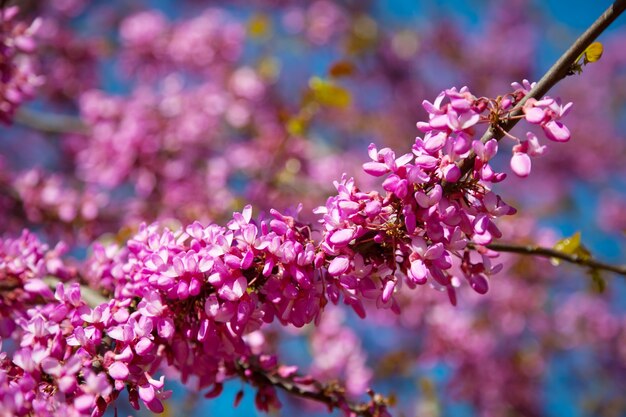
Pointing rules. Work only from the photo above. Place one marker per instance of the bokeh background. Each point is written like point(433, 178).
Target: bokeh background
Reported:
point(188, 110)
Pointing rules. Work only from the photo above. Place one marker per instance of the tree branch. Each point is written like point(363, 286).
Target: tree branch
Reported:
point(556, 73)
point(332, 395)
point(533, 250)
point(49, 123)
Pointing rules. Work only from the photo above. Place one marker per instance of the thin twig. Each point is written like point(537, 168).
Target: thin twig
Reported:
point(532, 250)
point(556, 73)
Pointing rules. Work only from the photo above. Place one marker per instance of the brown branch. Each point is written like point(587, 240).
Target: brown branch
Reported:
point(556, 73)
point(331, 395)
point(532, 250)
point(50, 123)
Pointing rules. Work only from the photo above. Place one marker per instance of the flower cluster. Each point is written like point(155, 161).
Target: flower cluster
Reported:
point(166, 144)
point(69, 356)
point(207, 43)
point(18, 80)
point(46, 197)
point(432, 210)
point(24, 263)
point(320, 22)
point(194, 297)
point(69, 61)
point(191, 297)
point(546, 113)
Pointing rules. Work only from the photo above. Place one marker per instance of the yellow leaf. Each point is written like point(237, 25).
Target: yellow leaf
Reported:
point(568, 245)
point(296, 126)
point(571, 246)
point(259, 26)
point(593, 52)
point(327, 93)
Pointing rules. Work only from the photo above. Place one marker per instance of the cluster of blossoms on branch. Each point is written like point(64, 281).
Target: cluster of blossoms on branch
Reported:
point(431, 209)
point(194, 298)
point(18, 80)
point(209, 42)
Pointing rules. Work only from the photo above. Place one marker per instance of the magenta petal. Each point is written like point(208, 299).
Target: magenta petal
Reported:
point(423, 126)
point(490, 149)
point(155, 406)
point(165, 328)
point(375, 168)
point(452, 173)
point(401, 189)
point(439, 122)
point(372, 151)
point(118, 370)
point(426, 161)
point(144, 346)
point(556, 131)
point(338, 266)
point(479, 284)
point(418, 272)
point(410, 222)
point(342, 236)
point(247, 260)
point(51, 366)
point(234, 289)
point(435, 251)
point(520, 164)
point(434, 143)
point(146, 393)
point(467, 120)
point(481, 223)
point(37, 286)
point(388, 290)
point(117, 333)
point(429, 107)
point(84, 402)
point(422, 199)
point(534, 115)
point(205, 264)
point(66, 383)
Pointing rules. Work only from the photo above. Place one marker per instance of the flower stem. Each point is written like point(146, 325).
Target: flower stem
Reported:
point(533, 250)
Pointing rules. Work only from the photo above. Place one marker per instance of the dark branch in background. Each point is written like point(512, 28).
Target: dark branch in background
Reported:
point(556, 73)
point(50, 123)
point(532, 250)
point(332, 395)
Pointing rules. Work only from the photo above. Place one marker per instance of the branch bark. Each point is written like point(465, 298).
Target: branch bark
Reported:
point(50, 123)
point(533, 250)
point(331, 395)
